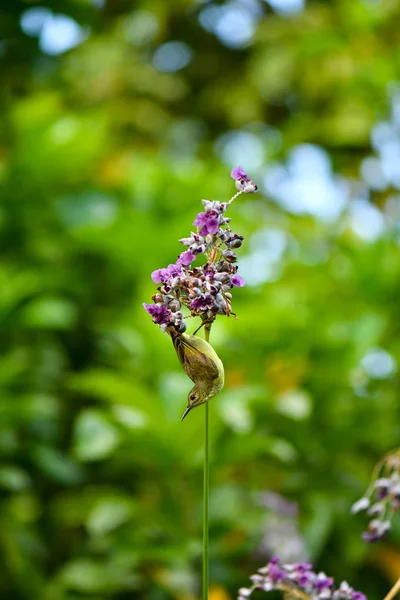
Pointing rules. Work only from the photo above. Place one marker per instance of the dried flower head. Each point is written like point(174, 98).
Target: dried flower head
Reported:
point(204, 289)
point(382, 499)
point(300, 580)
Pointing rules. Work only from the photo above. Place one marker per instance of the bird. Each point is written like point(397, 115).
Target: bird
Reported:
point(202, 364)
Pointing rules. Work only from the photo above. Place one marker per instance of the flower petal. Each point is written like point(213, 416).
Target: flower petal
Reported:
point(239, 173)
point(238, 281)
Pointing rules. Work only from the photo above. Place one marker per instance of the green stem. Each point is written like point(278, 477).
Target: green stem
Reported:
point(395, 589)
point(206, 490)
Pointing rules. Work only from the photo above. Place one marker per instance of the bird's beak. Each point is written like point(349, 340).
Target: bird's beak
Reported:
point(187, 410)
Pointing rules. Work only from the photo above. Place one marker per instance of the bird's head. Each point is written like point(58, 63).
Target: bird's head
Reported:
point(197, 395)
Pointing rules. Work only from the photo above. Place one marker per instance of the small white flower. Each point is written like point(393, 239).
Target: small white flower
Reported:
point(383, 482)
point(344, 587)
point(376, 509)
point(361, 504)
point(267, 586)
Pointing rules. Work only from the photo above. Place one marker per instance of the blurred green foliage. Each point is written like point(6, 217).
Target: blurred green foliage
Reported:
point(103, 161)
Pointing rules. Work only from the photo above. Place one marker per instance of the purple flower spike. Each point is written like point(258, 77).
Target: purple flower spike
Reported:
point(160, 314)
point(239, 173)
point(238, 281)
point(204, 290)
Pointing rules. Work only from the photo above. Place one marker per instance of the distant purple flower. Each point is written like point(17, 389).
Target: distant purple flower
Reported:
point(239, 173)
point(208, 221)
point(299, 578)
point(322, 582)
point(303, 578)
point(186, 258)
point(159, 313)
point(386, 490)
point(238, 281)
point(276, 574)
point(302, 567)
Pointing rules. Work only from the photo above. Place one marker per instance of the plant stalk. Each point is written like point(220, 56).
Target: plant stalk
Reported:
point(395, 589)
point(206, 488)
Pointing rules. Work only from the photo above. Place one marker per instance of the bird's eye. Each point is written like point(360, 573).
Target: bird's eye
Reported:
point(192, 397)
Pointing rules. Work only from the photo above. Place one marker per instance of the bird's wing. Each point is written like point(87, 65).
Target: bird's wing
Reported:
point(196, 364)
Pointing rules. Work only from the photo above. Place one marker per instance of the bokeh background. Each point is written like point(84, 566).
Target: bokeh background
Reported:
point(117, 117)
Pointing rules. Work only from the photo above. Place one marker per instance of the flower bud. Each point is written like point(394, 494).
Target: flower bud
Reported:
point(223, 277)
point(187, 241)
point(174, 306)
point(236, 241)
point(175, 282)
point(208, 204)
point(377, 509)
point(223, 266)
point(181, 326)
point(210, 239)
point(395, 492)
point(158, 298)
point(230, 256)
point(246, 185)
point(198, 248)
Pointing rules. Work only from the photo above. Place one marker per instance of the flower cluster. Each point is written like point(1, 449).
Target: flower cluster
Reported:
point(205, 289)
point(300, 580)
point(382, 499)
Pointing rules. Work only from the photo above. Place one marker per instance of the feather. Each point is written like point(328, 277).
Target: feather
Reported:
point(198, 365)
